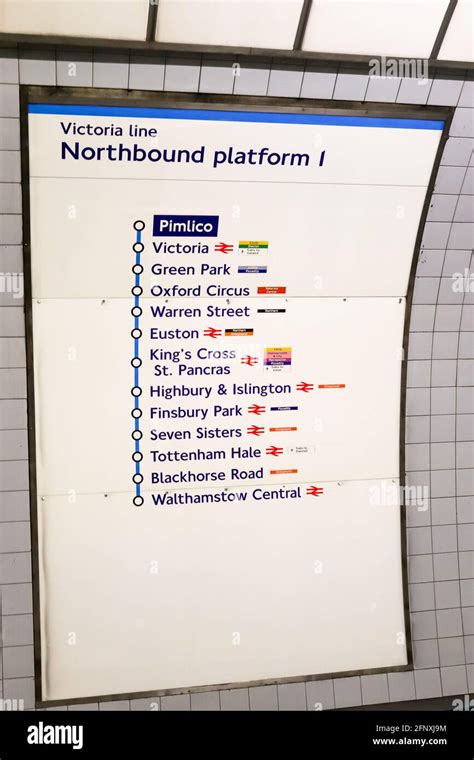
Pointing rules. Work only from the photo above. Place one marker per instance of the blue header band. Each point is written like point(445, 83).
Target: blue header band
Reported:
point(266, 117)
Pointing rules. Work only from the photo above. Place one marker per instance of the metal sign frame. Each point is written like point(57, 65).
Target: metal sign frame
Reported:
point(137, 98)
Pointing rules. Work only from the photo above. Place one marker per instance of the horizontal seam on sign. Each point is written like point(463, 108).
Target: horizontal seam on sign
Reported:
point(454, 636)
point(151, 298)
point(19, 552)
point(231, 488)
point(413, 527)
point(18, 583)
point(421, 443)
point(440, 469)
point(18, 678)
point(233, 181)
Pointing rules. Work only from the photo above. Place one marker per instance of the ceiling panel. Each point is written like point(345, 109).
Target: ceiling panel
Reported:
point(374, 27)
point(237, 23)
point(458, 44)
point(107, 19)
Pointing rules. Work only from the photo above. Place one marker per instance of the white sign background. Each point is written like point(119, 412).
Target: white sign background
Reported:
point(274, 582)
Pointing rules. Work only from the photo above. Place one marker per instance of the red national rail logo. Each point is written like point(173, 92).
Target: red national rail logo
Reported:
point(251, 361)
point(314, 491)
point(305, 387)
point(223, 247)
point(256, 409)
point(212, 332)
point(274, 451)
point(255, 430)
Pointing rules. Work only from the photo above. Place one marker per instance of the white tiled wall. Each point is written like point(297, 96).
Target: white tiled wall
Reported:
point(440, 388)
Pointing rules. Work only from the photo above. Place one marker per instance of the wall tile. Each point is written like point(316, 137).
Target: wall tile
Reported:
point(74, 68)
point(401, 686)
point(147, 72)
point(17, 630)
point(17, 599)
point(235, 699)
point(465, 482)
point(443, 511)
point(420, 568)
point(320, 695)
point(445, 92)
point(18, 662)
point(383, 89)
point(110, 70)
point(442, 208)
point(447, 593)
point(37, 67)
point(449, 623)
point(8, 66)
point(462, 124)
point(466, 98)
point(425, 654)
point(318, 84)
point(10, 171)
point(350, 86)
point(181, 702)
point(263, 698)
point(205, 701)
point(9, 100)
point(454, 680)
point(291, 696)
point(422, 318)
point(443, 456)
point(20, 688)
point(428, 683)
point(149, 704)
point(414, 91)
point(449, 179)
point(15, 537)
point(417, 430)
point(451, 651)
point(115, 705)
point(14, 506)
point(420, 346)
point(418, 401)
point(457, 151)
point(374, 689)
point(465, 509)
point(444, 542)
point(419, 542)
point(253, 79)
point(347, 692)
point(418, 374)
point(217, 76)
point(430, 262)
point(285, 81)
point(421, 596)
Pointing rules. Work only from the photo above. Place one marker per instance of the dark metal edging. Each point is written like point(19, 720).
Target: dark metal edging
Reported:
point(443, 28)
point(285, 57)
point(78, 96)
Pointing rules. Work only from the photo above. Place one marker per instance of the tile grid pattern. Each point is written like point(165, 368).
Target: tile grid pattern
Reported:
point(440, 392)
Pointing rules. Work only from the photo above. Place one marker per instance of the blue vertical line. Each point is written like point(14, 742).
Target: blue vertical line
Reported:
point(136, 355)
